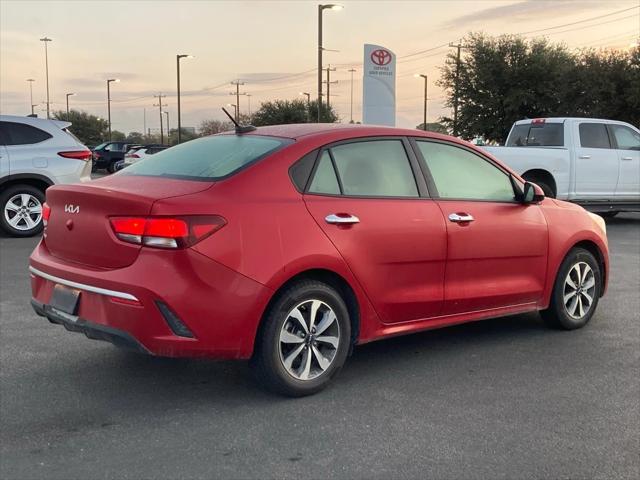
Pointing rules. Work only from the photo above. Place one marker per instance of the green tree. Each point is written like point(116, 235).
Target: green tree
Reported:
point(211, 127)
point(89, 129)
point(118, 136)
point(135, 137)
point(434, 127)
point(280, 112)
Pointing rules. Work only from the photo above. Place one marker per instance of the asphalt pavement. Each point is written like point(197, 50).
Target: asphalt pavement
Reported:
point(503, 398)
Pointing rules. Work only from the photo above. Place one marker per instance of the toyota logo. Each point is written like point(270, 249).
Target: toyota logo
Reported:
point(381, 57)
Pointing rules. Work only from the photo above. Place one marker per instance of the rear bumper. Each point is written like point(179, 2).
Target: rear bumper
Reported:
point(137, 306)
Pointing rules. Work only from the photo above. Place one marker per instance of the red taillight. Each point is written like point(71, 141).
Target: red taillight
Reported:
point(166, 232)
point(46, 213)
point(84, 155)
point(538, 121)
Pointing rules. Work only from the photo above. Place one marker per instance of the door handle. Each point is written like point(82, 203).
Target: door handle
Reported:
point(627, 158)
point(460, 218)
point(341, 219)
point(585, 157)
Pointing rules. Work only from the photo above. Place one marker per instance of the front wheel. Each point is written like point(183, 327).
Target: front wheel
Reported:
point(576, 291)
point(304, 340)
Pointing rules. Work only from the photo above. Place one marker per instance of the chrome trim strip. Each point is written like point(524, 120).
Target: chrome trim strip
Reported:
point(82, 286)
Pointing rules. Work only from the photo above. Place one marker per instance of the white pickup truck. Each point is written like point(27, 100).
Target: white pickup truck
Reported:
point(593, 162)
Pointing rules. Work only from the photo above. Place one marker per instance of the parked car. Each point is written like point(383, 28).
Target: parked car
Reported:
point(137, 153)
point(592, 162)
point(107, 154)
point(290, 244)
point(35, 153)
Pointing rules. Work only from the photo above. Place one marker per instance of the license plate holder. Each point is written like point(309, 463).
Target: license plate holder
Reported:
point(65, 299)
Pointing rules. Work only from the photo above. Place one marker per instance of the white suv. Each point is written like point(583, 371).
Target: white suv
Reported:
point(35, 153)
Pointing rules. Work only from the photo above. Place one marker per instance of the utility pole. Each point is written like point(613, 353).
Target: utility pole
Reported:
point(458, 46)
point(178, 57)
point(31, 80)
point(144, 120)
point(237, 83)
point(46, 63)
point(426, 83)
point(166, 112)
point(351, 109)
point(329, 82)
point(249, 95)
point(160, 105)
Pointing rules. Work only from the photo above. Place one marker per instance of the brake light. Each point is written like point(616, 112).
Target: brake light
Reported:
point(538, 121)
point(46, 213)
point(84, 155)
point(166, 232)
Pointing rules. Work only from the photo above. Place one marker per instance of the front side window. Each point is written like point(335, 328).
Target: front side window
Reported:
point(537, 135)
point(461, 174)
point(21, 134)
point(626, 138)
point(207, 158)
point(594, 135)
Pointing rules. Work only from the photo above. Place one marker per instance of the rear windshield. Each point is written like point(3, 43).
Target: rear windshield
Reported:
point(537, 135)
point(209, 158)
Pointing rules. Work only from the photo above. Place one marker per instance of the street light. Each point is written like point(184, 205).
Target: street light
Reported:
point(31, 80)
point(69, 95)
point(46, 63)
point(308, 95)
point(235, 109)
point(117, 80)
point(322, 8)
point(166, 112)
point(424, 120)
point(178, 57)
point(249, 95)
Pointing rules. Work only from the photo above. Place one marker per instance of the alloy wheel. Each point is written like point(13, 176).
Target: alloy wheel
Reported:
point(309, 339)
point(579, 290)
point(23, 212)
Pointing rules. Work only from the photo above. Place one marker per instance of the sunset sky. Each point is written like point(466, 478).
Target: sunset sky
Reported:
point(269, 45)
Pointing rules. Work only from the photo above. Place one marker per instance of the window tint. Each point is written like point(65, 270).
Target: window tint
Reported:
point(21, 134)
point(460, 174)
point(325, 180)
point(626, 138)
point(301, 170)
point(594, 135)
point(207, 158)
point(537, 135)
point(377, 168)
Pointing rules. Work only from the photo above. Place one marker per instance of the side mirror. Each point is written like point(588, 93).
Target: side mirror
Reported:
point(532, 193)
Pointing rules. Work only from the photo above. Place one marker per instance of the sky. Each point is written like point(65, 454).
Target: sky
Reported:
point(271, 46)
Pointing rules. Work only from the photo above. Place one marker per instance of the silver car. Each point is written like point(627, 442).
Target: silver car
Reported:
point(35, 153)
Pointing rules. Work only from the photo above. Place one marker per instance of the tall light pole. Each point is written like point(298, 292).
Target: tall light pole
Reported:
point(426, 83)
point(237, 83)
point(235, 109)
point(322, 8)
point(166, 112)
point(178, 57)
point(308, 95)
point(69, 95)
point(160, 105)
point(352, 71)
point(249, 95)
point(329, 82)
point(46, 63)
point(117, 80)
point(31, 80)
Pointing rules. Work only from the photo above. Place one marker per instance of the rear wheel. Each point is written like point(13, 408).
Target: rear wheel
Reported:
point(21, 210)
point(576, 291)
point(304, 340)
point(111, 168)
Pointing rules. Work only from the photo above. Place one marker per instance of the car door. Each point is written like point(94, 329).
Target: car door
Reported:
point(597, 166)
point(497, 247)
point(27, 147)
point(370, 199)
point(4, 155)
point(627, 143)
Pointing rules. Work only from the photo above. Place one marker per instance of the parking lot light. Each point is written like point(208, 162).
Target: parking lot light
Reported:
point(69, 95)
point(116, 80)
point(426, 83)
point(178, 58)
point(322, 8)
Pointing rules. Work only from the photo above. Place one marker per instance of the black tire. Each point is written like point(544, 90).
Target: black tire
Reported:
point(268, 362)
point(8, 195)
point(558, 315)
point(111, 168)
point(608, 214)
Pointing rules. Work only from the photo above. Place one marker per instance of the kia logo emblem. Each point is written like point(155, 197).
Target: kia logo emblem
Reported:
point(68, 208)
point(381, 57)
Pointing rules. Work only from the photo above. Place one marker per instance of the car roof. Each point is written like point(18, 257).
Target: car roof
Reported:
point(303, 130)
point(35, 121)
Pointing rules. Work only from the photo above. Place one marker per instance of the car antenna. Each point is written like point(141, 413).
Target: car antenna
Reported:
point(240, 129)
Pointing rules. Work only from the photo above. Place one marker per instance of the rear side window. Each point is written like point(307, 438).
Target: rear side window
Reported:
point(537, 135)
point(377, 168)
point(626, 138)
point(461, 174)
point(594, 135)
point(208, 158)
point(21, 134)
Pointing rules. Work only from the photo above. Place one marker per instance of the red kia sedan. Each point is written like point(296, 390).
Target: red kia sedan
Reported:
point(288, 245)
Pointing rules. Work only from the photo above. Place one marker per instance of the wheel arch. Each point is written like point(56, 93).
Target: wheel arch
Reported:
point(544, 175)
point(594, 249)
point(331, 278)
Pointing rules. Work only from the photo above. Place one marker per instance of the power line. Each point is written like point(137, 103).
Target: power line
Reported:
point(580, 21)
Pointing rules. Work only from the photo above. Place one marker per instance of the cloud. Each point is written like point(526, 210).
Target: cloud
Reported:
point(526, 10)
